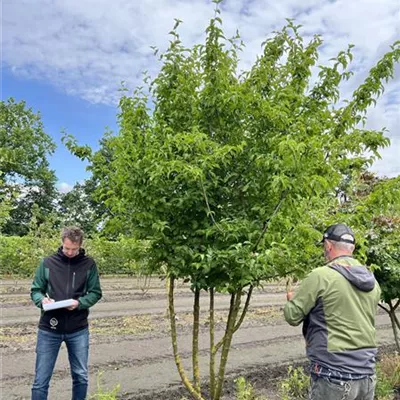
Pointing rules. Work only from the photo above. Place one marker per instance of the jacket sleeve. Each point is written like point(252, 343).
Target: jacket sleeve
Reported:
point(39, 285)
point(93, 292)
point(304, 299)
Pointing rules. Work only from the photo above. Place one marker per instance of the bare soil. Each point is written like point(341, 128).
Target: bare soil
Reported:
point(131, 346)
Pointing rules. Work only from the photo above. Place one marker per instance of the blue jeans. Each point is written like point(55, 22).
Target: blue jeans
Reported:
point(323, 388)
point(47, 348)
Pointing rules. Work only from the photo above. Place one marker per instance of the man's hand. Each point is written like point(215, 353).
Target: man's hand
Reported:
point(47, 300)
point(289, 290)
point(75, 305)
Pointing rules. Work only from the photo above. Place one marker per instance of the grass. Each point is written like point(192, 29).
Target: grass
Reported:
point(16, 300)
point(130, 325)
point(15, 336)
point(388, 374)
point(7, 340)
point(11, 289)
point(265, 314)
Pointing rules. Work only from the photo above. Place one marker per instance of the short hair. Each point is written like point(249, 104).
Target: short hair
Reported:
point(347, 247)
point(73, 233)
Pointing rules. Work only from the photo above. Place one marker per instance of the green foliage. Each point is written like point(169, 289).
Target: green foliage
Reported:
point(25, 177)
point(105, 394)
point(384, 254)
point(296, 384)
point(228, 172)
point(19, 256)
point(372, 206)
point(89, 193)
point(227, 175)
point(123, 256)
point(388, 375)
point(76, 208)
point(383, 235)
point(245, 391)
point(5, 205)
point(24, 145)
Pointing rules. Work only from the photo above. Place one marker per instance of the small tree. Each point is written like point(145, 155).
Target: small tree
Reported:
point(385, 255)
point(226, 175)
point(372, 206)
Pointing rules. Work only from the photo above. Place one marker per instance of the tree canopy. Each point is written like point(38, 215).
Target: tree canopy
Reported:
point(227, 173)
point(227, 164)
point(25, 176)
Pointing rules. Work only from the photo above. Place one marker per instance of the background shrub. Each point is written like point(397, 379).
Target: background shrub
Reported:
point(19, 256)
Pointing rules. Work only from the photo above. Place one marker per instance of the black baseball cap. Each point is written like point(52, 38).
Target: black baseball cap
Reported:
point(339, 233)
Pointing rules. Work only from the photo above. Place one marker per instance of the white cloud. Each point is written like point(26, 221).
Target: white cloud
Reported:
point(64, 187)
point(87, 47)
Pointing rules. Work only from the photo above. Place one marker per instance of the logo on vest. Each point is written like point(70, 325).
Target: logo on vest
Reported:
point(53, 323)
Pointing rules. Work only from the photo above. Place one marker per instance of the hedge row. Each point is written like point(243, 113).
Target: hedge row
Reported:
point(19, 256)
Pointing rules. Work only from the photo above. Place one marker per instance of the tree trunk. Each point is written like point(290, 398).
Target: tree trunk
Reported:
point(195, 343)
point(397, 321)
point(178, 362)
point(395, 324)
point(230, 326)
point(394, 313)
point(212, 345)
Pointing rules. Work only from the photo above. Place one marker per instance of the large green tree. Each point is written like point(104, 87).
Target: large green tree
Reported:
point(25, 176)
point(226, 173)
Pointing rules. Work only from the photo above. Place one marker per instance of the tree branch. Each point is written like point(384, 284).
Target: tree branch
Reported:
point(383, 308)
point(178, 362)
point(210, 213)
point(231, 307)
point(267, 221)
point(245, 308)
point(227, 344)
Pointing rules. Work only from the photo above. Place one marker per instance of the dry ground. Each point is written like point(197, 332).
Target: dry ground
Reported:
point(130, 342)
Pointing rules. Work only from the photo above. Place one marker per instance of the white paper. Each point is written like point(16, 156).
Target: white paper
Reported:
point(58, 304)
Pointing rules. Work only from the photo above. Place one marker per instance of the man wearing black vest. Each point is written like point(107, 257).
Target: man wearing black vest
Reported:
point(67, 274)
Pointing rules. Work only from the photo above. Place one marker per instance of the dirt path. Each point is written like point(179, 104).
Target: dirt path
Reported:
point(30, 314)
point(141, 360)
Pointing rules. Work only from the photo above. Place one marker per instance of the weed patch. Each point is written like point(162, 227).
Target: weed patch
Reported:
point(130, 325)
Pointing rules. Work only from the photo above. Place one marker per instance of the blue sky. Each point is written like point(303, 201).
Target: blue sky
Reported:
point(66, 59)
point(60, 111)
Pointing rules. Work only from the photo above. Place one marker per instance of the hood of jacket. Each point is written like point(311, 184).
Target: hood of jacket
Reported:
point(357, 274)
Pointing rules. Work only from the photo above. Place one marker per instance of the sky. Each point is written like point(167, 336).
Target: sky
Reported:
point(67, 58)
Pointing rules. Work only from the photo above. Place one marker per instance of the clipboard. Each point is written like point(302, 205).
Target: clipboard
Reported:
point(58, 304)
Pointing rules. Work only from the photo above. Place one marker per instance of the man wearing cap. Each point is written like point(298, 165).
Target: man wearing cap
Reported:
point(337, 305)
